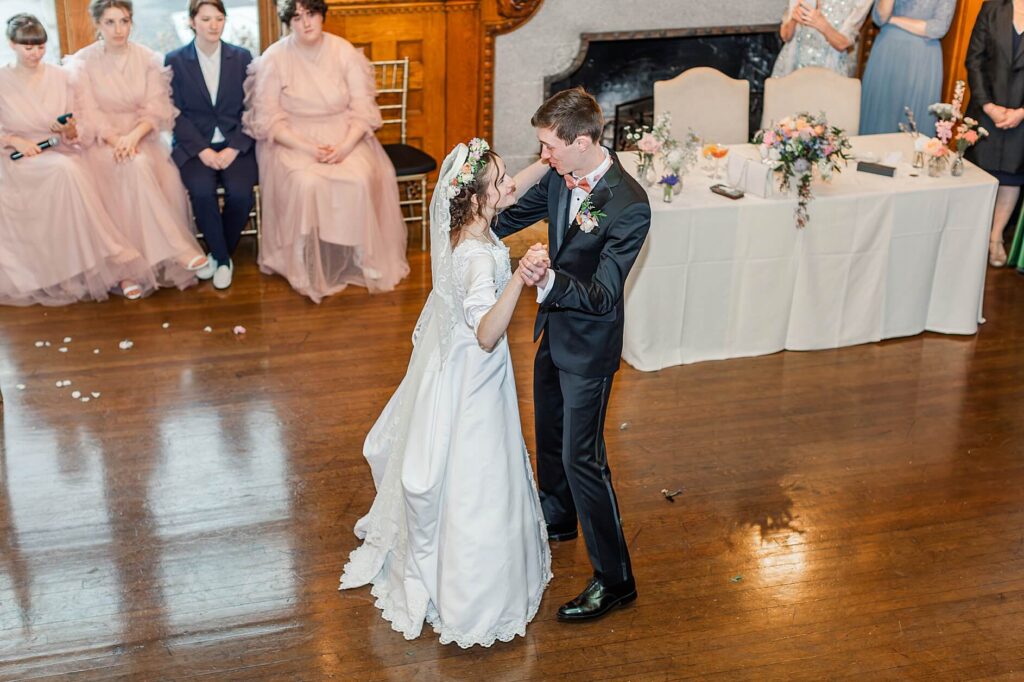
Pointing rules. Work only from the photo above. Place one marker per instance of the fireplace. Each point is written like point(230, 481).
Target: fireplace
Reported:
point(620, 68)
point(549, 44)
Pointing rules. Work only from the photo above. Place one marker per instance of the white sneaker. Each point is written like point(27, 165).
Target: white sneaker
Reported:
point(222, 277)
point(207, 271)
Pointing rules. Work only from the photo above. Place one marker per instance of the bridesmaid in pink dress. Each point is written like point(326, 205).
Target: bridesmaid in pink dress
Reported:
point(124, 92)
point(57, 243)
point(330, 201)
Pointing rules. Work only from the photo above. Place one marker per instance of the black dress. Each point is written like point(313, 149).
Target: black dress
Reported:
point(995, 73)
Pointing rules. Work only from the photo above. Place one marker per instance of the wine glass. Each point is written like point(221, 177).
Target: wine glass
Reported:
point(719, 153)
point(707, 152)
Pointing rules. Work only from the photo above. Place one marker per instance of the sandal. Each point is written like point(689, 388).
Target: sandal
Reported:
point(197, 263)
point(131, 290)
point(996, 253)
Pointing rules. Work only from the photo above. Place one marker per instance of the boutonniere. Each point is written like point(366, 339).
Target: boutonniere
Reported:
point(589, 216)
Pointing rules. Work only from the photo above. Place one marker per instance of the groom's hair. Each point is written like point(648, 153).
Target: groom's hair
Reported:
point(571, 113)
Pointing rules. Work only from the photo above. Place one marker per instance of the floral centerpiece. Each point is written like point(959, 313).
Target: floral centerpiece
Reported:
point(640, 138)
point(936, 152)
point(948, 114)
point(798, 144)
point(968, 133)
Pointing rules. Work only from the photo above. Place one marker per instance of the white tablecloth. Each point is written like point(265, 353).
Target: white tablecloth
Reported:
point(881, 258)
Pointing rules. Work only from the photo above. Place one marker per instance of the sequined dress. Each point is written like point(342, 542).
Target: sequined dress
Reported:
point(808, 46)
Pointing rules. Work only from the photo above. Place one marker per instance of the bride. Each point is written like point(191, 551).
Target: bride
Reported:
point(455, 536)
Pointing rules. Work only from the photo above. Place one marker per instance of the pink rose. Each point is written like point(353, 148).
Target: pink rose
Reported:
point(648, 144)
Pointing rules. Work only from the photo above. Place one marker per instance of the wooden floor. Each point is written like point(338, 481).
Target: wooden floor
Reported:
point(855, 514)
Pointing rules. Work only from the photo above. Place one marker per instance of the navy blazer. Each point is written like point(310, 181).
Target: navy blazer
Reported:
point(193, 129)
point(583, 314)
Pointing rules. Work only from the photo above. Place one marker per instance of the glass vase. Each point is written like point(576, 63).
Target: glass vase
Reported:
point(936, 165)
point(645, 169)
point(957, 168)
point(668, 193)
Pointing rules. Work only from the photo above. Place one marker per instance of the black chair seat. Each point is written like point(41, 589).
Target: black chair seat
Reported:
point(408, 160)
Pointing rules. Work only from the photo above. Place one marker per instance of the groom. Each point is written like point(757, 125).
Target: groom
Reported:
point(598, 217)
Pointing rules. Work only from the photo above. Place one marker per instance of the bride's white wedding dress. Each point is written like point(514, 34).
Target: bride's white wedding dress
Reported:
point(455, 536)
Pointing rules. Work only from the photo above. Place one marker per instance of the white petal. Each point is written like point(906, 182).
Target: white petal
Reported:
point(39, 344)
point(67, 339)
point(63, 349)
point(66, 382)
point(76, 394)
point(95, 394)
point(59, 384)
point(85, 398)
point(96, 351)
point(20, 387)
point(46, 343)
point(165, 325)
point(207, 329)
point(125, 344)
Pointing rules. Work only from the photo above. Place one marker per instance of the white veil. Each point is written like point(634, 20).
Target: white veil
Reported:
point(441, 311)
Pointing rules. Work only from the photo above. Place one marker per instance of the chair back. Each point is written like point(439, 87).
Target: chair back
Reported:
point(815, 90)
point(392, 80)
point(716, 106)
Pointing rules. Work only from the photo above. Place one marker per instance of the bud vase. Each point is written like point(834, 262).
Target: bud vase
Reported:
point(645, 169)
point(957, 169)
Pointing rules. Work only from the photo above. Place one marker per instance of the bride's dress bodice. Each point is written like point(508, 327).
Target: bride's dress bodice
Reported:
point(481, 271)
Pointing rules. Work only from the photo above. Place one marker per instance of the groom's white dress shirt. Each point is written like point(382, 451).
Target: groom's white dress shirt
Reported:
point(575, 201)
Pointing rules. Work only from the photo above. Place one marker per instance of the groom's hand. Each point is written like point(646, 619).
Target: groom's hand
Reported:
point(533, 267)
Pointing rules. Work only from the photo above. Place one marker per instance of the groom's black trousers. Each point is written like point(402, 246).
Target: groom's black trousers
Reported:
point(572, 463)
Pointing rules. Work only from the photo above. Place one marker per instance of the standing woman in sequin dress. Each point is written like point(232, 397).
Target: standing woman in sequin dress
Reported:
point(905, 66)
point(821, 33)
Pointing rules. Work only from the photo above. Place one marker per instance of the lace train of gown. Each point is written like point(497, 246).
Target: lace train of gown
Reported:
point(455, 536)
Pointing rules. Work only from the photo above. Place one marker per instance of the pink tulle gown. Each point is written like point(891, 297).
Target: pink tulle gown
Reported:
point(324, 225)
point(57, 243)
point(145, 197)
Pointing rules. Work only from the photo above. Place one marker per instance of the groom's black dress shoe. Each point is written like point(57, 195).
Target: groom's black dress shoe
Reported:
point(596, 600)
point(562, 532)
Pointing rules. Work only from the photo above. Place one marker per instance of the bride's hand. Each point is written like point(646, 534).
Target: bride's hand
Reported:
point(539, 252)
point(533, 266)
point(528, 177)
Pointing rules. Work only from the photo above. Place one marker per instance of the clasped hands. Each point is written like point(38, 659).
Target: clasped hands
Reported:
point(218, 160)
point(534, 265)
point(126, 147)
point(331, 153)
point(1004, 117)
point(810, 16)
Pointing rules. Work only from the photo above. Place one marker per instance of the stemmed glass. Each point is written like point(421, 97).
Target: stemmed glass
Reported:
point(719, 153)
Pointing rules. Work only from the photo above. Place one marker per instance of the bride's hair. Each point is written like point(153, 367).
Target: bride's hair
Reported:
point(461, 206)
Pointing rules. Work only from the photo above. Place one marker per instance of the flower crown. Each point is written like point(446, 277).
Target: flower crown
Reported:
point(477, 148)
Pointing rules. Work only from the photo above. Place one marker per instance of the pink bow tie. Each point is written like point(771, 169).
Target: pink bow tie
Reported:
point(572, 183)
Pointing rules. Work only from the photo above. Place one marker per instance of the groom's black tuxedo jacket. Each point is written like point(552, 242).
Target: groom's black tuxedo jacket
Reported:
point(582, 315)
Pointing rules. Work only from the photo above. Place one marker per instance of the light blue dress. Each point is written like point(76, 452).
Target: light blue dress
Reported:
point(905, 69)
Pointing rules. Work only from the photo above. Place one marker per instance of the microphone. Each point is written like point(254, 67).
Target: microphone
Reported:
point(45, 144)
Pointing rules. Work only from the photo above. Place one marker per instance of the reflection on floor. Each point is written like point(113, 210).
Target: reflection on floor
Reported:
point(854, 512)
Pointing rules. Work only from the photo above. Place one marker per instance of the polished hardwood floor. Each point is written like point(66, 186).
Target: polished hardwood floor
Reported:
point(856, 513)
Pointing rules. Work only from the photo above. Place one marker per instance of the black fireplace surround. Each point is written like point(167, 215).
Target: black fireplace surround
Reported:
point(620, 69)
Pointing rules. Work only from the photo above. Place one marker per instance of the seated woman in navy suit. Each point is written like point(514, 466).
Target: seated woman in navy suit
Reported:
point(210, 148)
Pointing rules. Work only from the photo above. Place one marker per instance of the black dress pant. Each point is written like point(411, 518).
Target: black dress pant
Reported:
point(572, 463)
point(221, 230)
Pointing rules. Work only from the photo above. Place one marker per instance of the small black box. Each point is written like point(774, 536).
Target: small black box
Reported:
point(876, 168)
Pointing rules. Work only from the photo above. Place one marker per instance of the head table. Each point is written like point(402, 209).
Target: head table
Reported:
point(880, 258)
